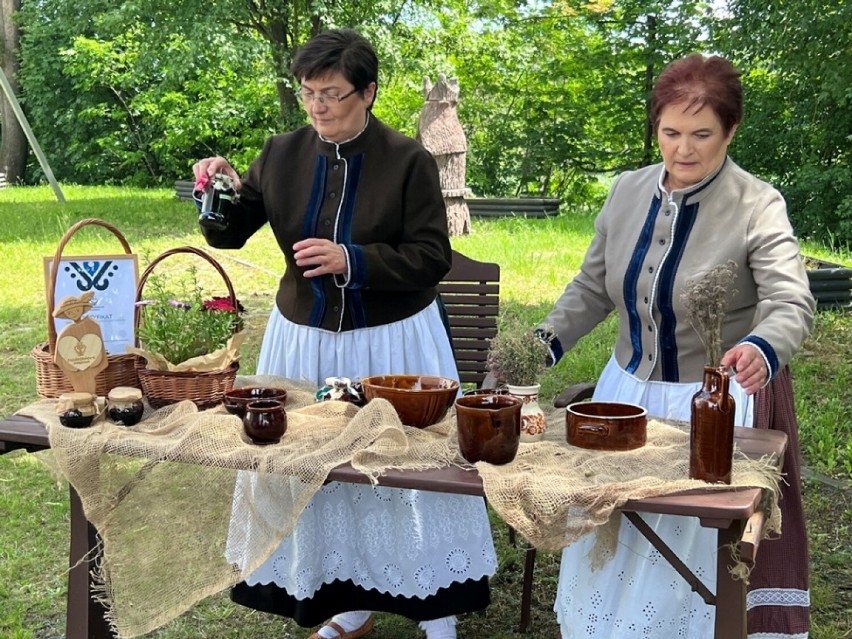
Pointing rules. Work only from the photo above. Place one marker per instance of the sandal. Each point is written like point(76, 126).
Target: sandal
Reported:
point(342, 634)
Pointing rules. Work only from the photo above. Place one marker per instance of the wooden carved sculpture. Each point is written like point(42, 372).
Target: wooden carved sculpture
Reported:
point(80, 351)
point(440, 131)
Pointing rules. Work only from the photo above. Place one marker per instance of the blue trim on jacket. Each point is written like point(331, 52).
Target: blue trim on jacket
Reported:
point(309, 229)
point(631, 277)
point(669, 371)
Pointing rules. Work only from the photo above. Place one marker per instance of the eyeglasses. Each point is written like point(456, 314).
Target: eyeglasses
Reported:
point(307, 97)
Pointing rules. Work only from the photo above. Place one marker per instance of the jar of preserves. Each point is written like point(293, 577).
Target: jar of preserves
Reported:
point(76, 410)
point(124, 405)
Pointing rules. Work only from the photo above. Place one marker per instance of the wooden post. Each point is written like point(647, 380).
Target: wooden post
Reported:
point(25, 125)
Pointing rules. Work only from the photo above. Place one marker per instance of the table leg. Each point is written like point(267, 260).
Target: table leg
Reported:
point(84, 616)
point(730, 592)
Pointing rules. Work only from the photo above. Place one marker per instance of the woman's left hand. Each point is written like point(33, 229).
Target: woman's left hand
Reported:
point(327, 257)
point(749, 366)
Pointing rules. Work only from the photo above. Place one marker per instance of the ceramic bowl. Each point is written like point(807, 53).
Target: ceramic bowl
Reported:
point(419, 400)
point(236, 399)
point(605, 425)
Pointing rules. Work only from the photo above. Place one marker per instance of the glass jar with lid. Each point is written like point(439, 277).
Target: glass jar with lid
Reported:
point(76, 410)
point(124, 405)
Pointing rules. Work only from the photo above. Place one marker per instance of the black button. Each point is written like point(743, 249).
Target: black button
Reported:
point(646, 300)
point(662, 241)
point(327, 222)
point(650, 357)
point(332, 195)
point(668, 212)
point(650, 328)
point(335, 167)
point(650, 269)
point(335, 309)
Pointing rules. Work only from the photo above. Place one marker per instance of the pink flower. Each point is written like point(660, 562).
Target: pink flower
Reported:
point(223, 304)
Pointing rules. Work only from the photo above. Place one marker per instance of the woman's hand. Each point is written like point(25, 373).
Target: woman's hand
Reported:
point(208, 167)
point(749, 366)
point(327, 257)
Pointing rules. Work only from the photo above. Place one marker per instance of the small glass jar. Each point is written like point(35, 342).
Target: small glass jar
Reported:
point(341, 389)
point(124, 405)
point(76, 410)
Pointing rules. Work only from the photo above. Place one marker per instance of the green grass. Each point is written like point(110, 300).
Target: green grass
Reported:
point(537, 258)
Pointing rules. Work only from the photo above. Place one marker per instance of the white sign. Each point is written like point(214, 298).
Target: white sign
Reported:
point(113, 279)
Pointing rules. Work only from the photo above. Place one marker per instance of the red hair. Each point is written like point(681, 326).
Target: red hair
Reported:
point(698, 82)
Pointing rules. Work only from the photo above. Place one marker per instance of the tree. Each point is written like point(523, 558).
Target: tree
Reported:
point(13, 143)
point(796, 59)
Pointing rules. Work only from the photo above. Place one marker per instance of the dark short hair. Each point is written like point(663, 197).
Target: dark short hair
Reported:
point(343, 50)
point(699, 82)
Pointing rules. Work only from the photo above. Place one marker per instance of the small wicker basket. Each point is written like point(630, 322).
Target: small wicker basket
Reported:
point(205, 388)
point(51, 381)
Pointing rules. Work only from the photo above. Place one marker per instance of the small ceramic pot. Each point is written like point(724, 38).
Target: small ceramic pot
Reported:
point(265, 421)
point(124, 405)
point(76, 410)
point(489, 427)
point(605, 425)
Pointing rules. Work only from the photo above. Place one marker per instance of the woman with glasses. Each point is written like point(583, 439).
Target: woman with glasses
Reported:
point(357, 210)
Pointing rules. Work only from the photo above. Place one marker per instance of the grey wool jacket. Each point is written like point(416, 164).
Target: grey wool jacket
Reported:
point(377, 195)
point(649, 244)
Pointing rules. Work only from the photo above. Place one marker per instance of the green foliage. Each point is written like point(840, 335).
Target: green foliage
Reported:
point(553, 94)
point(798, 123)
point(179, 323)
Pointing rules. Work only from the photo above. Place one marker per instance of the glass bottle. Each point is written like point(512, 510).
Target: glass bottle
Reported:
point(711, 435)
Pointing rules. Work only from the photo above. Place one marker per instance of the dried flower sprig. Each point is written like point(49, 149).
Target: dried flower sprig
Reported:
point(706, 301)
point(517, 355)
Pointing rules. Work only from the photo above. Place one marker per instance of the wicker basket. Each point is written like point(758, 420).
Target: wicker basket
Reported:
point(204, 388)
point(51, 381)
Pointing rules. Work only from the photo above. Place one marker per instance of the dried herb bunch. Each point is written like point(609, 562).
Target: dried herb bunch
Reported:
point(517, 355)
point(706, 301)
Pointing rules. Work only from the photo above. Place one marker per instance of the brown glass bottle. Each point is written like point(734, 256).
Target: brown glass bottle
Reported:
point(711, 438)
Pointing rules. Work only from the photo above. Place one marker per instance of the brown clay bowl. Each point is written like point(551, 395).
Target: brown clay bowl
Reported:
point(236, 399)
point(419, 400)
point(606, 425)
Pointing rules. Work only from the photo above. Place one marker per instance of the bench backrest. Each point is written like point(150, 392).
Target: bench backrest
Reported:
point(471, 295)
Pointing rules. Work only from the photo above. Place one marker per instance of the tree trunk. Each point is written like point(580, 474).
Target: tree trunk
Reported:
point(13, 142)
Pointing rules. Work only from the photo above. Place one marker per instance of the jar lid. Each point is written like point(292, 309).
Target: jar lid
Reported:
point(77, 400)
point(125, 394)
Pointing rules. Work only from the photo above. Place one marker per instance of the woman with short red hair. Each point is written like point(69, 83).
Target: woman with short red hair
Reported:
point(661, 227)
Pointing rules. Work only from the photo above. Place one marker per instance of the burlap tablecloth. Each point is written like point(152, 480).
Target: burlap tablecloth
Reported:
point(160, 493)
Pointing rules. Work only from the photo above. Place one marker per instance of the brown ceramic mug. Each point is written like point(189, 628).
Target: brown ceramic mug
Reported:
point(265, 421)
point(489, 427)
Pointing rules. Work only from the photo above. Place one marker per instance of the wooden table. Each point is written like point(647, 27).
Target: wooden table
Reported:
point(728, 512)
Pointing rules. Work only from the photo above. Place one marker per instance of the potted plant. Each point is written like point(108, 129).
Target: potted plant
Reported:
point(517, 357)
point(190, 341)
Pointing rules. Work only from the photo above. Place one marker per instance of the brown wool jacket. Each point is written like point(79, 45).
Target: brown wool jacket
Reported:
point(378, 195)
point(647, 246)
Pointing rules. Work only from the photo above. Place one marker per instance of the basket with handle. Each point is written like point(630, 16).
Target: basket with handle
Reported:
point(51, 381)
point(205, 388)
